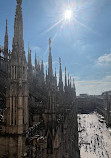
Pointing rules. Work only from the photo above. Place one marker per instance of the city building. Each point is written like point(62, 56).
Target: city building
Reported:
point(107, 106)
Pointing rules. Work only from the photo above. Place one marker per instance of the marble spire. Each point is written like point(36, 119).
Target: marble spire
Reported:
point(18, 42)
point(6, 42)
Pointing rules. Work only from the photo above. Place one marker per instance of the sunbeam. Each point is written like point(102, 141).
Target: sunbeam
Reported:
point(53, 26)
point(85, 26)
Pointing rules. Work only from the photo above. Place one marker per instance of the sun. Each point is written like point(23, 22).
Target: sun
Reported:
point(68, 14)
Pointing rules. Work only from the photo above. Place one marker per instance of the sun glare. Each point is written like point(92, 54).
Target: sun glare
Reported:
point(68, 14)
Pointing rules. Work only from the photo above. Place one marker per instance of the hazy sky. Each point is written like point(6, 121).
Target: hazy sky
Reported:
point(84, 43)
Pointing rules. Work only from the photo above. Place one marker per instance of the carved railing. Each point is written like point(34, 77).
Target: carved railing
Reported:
point(34, 130)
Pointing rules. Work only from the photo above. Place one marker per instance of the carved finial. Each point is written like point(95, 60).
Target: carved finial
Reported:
point(35, 59)
point(28, 47)
point(49, 42)
point(65, 78)
point(46, 70)
point(70, 81)
point(55, 71)
point(73, 83)
point(65, 69)
point(38, 61)
point(60, 61)
point(6, 26)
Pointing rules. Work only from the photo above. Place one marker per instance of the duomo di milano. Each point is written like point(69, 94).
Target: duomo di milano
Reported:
point(39, 115)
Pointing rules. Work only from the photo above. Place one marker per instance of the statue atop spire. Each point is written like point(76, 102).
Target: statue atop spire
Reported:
point(35, 60)
point(68, 79)
point(29, 58)
point(49, 43)
point(65, 79)
point(60, 77)
point(19, 2)
point(55, 71)
point(49, 46)
point(50, 71)
point(73, 84)
point(6, 42)
point(6, 26)
point(46, 70)
point(42, 66)
point(60, 61)
point(70, 82)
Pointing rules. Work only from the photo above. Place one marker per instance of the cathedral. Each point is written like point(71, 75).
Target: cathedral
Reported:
point(38, 114)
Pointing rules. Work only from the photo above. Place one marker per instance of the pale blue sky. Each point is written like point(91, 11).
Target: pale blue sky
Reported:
point(84, 45)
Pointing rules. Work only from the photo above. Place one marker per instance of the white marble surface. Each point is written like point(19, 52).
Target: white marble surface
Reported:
point(95, 137)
